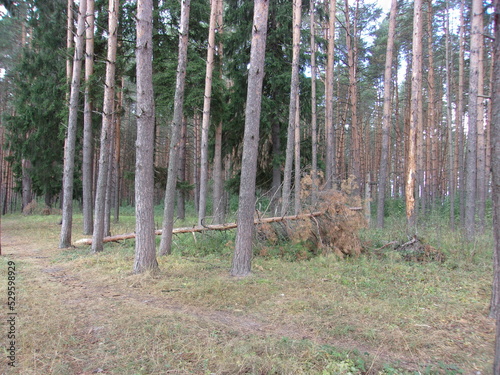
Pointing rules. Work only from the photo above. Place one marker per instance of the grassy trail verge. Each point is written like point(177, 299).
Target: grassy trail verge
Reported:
point(80, 313)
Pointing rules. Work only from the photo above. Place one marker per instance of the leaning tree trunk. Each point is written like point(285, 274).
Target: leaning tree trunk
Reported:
point(70, 143)
point(168, 214)
point(241, 264)
point(145, 247)
point(386, 120)
point(206, 114)
point(416, 86)
point(88, 152)
point(292, 113)
point(107, 131)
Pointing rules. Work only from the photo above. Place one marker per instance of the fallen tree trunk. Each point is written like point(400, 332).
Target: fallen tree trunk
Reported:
point(203, 228)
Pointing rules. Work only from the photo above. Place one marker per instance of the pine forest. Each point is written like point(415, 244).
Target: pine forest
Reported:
point(259, 136)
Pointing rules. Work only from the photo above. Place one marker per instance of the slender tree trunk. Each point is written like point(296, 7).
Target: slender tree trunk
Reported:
point(416, 86)
point(242, 258)
point(297, 158)
point(355, 161)
point(495, 167)
point(196, 162)
point(329, 128)
point(107, 130)
point(70, 142)
point(181, 173)
point(206, 113)
point(314, 117)
point(88, 151)
point(471, 156)
point(276, 184)
point(428, 188)
point(110, 180)
point(117, 158)
point(217, 206)
point(292, 115)
point(69, 40)
point(26, 183)
point(460, 115)
point(218, 191)
point(386, 121)
point(482, 176)
point(449, 120)
point(145, 248)
point(168, 213)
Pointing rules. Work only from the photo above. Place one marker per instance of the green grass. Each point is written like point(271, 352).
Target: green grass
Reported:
point(375, 313)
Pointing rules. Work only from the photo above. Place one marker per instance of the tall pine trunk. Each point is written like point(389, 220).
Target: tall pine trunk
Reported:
point(105, 155)
point(471, 155)
point(416, 87)
point(88, 152)
point(495, 168)
point(449, 120)
point(386, 120)
point(314, 116)
point(242, 259)
point(168, 213)
point(70, 142)
point(292, 115)
point(329, 128)
point(218, 191)
point(145, 247)
point(459, 151)
point(206, 113)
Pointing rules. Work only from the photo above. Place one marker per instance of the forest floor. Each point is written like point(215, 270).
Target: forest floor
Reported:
point(81, 313)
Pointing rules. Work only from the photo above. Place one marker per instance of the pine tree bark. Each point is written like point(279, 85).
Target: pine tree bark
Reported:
point(292, 114)
point(70, 142)
point(314, 116)
point(296, 144)
point(449, 120)
point(416, 87)
point(329, 128)
point(117, 158)
point(26, 183)
point(218, 191)
point(206, 113)
point(145, 248)
point(495, 168)
point(471, 155)
point(386, 120)
point(355, 153)
point(101, 214)
point(88, 152)
point(168, 213)
point(181, 172)
point(482, 176)
point(241, 264)
point(459, 151)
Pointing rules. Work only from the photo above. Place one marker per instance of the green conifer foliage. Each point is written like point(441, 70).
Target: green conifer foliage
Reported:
point(34, 131)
